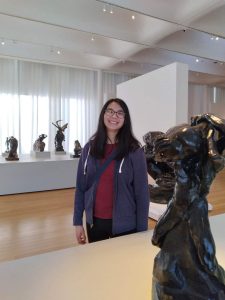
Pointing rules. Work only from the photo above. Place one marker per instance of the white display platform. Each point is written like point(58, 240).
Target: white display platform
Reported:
point(39, 154)
point(120, 268)
point(30, 174)
point(60, 152)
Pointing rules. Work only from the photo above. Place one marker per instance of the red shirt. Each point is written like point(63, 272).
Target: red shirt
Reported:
point(105, 190)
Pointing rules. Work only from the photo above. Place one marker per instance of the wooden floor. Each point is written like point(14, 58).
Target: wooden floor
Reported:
point(35, 223)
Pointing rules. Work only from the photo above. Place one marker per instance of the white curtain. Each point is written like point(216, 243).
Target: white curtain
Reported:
point(110, 81)
point(35, 95)
point(206, 99)
point(217, 101)
point(198, 100)
point(9, 101)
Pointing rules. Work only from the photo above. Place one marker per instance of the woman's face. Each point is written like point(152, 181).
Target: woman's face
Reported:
point(114, 117)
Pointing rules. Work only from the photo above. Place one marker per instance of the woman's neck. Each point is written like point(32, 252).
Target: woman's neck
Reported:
point(111, 138)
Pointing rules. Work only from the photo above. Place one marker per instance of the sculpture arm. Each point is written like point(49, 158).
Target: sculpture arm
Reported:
point(176, 210)
point(202, 237)
point(55, 125)
point(166, 222)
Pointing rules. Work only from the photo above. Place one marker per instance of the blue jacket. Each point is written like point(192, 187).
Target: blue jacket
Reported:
point(131, 203)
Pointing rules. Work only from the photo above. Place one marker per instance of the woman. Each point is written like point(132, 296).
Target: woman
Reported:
point(112, 186)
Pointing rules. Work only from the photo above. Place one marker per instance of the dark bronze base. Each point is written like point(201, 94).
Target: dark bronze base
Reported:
point(11, 158)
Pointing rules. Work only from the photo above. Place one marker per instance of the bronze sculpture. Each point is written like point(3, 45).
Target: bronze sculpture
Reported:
point(39, 145)
point(161, 172)
point(186, 267)
point(77, 149)
point(13, 144)
point(60, 137)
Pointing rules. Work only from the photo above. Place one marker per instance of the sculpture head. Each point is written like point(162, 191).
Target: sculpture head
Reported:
point(42, 137)
point(151, 136)
point(179, 143)
point(149, 139)
point(13, 142)
point(77, 144)
point(162, 172)
point(59, 127)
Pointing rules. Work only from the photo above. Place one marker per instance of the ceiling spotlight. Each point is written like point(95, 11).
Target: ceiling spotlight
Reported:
point(133, 17)
point(2, 42)
point(104, 8)
point(58, 52)
point(111, 11)
point(214, 38)
point(92, 38)
point(197, 60)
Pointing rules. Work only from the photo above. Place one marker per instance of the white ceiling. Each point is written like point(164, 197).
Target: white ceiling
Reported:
point(161, 33)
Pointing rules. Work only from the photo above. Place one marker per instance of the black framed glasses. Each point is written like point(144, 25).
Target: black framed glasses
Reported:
point(110, 112)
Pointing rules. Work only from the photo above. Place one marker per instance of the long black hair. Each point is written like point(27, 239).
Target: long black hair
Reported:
point(125, 137)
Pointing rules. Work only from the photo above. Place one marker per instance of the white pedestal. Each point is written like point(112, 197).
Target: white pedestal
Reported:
point(38, 154)
point(60, 152)
point(31, 174)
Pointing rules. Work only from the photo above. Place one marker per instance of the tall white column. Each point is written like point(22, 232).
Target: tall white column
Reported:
point(157, 100)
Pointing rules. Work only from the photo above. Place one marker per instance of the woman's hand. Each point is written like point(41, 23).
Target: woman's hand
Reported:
point(80, 234)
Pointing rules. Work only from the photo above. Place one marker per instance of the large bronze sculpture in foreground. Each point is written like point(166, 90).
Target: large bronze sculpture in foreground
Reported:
point(186, 267)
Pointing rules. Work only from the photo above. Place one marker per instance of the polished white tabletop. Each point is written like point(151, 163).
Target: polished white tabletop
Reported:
point(119, 268)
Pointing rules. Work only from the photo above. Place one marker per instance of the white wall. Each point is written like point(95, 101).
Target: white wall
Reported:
point(157, 100)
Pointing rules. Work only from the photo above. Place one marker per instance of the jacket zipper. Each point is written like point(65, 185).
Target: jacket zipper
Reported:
point(115, 178)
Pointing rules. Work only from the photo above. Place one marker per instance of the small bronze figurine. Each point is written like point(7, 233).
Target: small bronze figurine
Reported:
point(60, 137)
point(13, 144)
point(186, 267)
point(77, 149)
point(39, 145)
